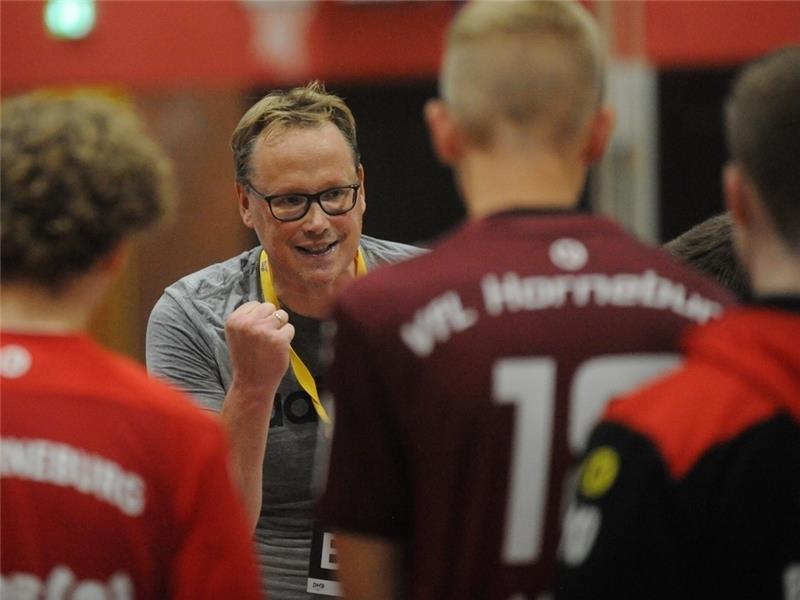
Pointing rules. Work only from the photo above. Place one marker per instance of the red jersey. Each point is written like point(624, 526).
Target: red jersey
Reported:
point(691, 487)
point(467, 380)
point(113, 485)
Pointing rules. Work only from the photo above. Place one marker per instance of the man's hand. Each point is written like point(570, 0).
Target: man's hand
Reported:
point(258, 338)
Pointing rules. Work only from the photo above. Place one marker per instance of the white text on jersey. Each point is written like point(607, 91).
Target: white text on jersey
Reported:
point(63, 465)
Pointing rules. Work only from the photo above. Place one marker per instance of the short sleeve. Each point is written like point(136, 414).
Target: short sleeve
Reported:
point(177, 352)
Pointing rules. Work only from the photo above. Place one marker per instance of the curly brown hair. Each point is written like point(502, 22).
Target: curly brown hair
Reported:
point(79, 174)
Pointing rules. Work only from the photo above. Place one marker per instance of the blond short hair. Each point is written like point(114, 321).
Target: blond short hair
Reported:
point(307, 106)
point(536, 65)
point(79, 174)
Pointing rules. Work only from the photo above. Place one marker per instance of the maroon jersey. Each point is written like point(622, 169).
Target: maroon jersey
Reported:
point(466, 381)
point(113, 485)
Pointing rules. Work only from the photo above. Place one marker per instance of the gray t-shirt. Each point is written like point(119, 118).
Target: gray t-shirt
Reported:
point(186, 345)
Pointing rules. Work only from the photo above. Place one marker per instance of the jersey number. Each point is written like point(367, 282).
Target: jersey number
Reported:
point(529, 383)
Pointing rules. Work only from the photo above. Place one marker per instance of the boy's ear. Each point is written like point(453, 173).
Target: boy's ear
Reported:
point(446, 137)
point(600, 131)
point(737, 191)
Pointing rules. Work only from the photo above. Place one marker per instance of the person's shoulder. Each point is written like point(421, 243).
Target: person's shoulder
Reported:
point(674, 285)
point(219, 278)
point(389, 291)
point(211, 292)
point(668, 266)
point(379, 252)
point(390, 265)
point(686, 412)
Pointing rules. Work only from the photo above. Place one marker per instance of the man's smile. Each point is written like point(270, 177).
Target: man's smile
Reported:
point(319, 249)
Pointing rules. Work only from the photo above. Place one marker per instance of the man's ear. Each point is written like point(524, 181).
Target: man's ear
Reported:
point(244, 204)
point(362, 190)
point(600, 129)
point(446, 136)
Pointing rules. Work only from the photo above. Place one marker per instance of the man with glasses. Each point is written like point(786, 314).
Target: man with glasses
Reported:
point(242, 336)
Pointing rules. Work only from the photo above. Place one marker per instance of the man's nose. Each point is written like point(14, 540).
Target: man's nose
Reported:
point(315, 220)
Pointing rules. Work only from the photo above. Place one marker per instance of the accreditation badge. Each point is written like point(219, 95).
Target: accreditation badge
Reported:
point(322, 564)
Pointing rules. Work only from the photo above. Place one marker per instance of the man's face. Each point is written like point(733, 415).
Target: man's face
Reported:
point(319, 249)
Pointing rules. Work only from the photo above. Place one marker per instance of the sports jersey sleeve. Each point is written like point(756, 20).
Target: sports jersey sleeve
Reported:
point(177, 352)
point(619, 534)
point(215, 556)
point(368, 489)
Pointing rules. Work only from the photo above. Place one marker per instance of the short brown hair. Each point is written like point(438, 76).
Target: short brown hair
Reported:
point(78, 174)
point(529, 63)
point(762, 122)
point(708, 247)
point(305, 106)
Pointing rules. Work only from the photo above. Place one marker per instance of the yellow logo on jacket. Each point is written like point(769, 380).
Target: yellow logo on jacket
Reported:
point(599, 472)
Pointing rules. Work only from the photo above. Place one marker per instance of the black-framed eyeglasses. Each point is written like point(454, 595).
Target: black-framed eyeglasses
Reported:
point(293, 207)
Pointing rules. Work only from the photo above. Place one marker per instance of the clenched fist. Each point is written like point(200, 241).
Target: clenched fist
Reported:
point(258, 338)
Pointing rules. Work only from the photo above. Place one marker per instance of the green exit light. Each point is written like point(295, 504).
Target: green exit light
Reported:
point(70, 19)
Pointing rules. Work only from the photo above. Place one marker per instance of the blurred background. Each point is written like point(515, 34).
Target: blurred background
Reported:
point(193, 67)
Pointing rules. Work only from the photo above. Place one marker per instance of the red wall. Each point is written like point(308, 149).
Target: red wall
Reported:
point(695, 33)
point(209, 43)
point(179, 43)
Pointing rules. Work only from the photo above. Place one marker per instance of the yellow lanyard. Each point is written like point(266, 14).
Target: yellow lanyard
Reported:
point(301, 372)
